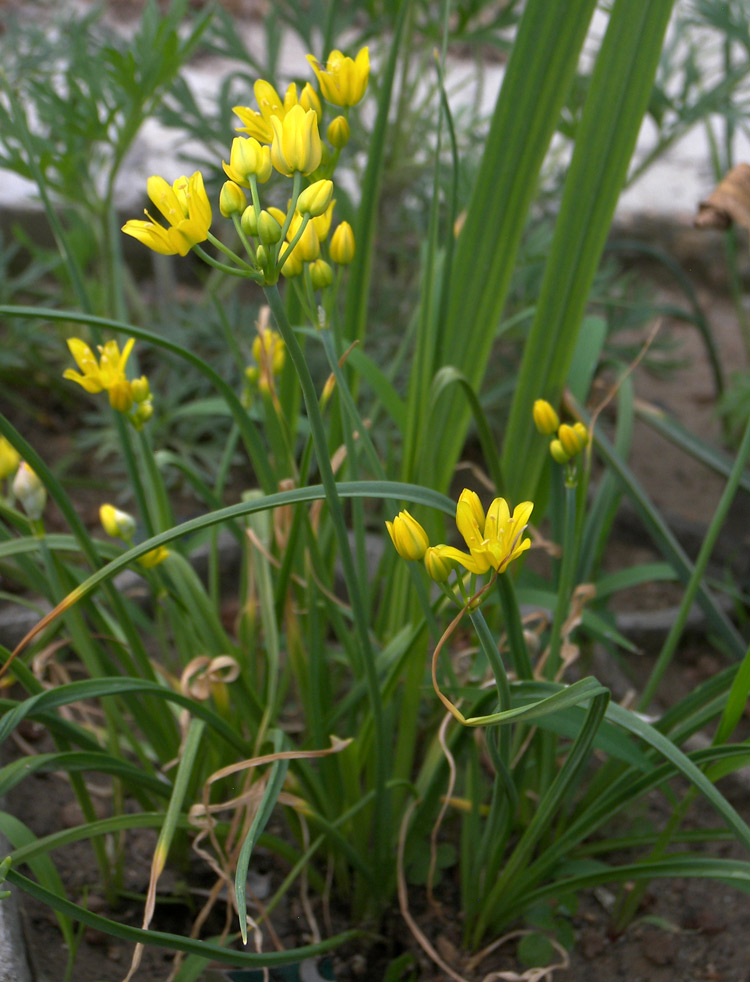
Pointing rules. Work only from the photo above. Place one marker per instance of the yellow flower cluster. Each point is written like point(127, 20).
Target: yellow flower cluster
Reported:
point(570, 440)
point(494, 540)
point(282, 134)
point(108, 375)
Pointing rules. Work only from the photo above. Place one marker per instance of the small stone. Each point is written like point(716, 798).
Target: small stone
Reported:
point(658, 948)
point(592, 943)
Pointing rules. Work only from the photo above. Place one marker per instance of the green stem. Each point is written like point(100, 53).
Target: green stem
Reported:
point(489, 647)
point(366, 654)
point(519, 652)
point(565, 583)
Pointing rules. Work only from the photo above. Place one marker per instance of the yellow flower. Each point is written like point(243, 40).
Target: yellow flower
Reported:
point(343, 81)
point(546, 419)
point(408, 536)
point(258, 124)
point(185, 206)
point(10, 458)
point(342, 244)
point(247, 157)
point(106, 375)
point(494, 541)
point(296, 142)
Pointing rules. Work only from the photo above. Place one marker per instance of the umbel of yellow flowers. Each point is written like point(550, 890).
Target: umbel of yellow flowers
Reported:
point(185, 206)
point(493, 541)
point(108, 375)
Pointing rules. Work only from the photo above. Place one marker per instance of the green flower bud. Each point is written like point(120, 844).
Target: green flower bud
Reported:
point(338, 132)
point(232, 200)
point(321, 274)
point(269, 230)
point(141, 389)
point(438, 567)
point(248, 222)
point(558, 452)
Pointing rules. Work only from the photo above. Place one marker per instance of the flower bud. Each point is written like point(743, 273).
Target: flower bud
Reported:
point(269, 230)
point(309, 99)
point(248, 157)
point(546, 419)
point(408, 536)
point(469, 506)
point(261, 257)
point(558, 452)
point(249, 222)
point(342, 244)
point(321, 274)
point(143, 414)
point(140, 389)
point(571, 440)
point(10, 458)
point(154, 557)
point(314, 200)
point(232, 200)
point(117, 523)
point(30, 491)
point(338, 132)
point(438, 567)
point(322, 222)
point(308, 246)
point(582, 432)
point(121, 395)
point(292, 264)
